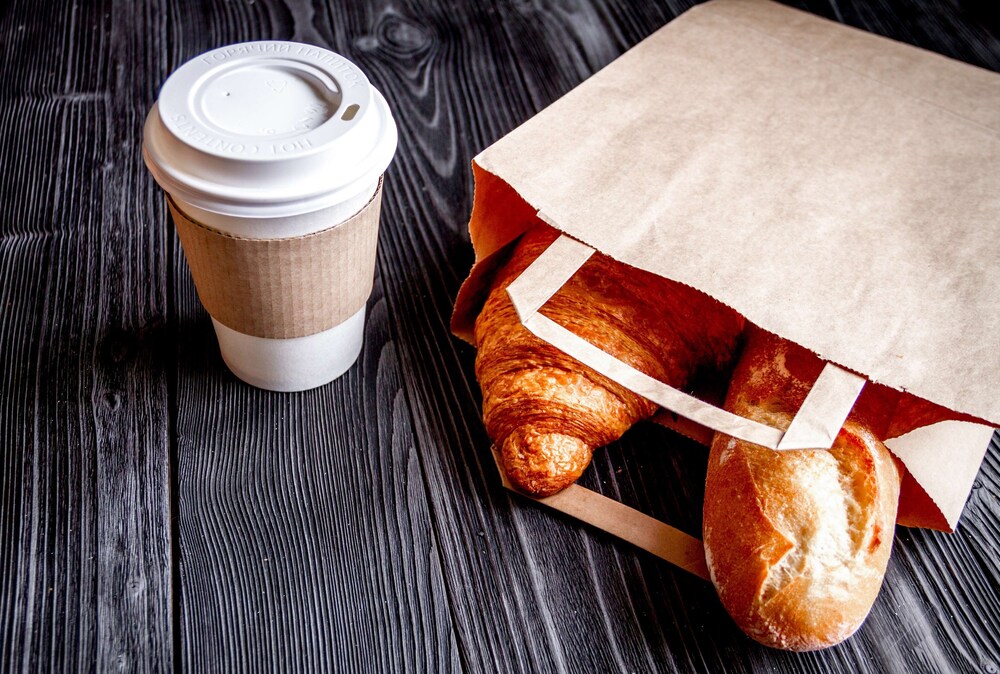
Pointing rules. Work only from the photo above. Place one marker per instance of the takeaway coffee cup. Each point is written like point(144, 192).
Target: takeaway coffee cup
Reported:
point(271, 156)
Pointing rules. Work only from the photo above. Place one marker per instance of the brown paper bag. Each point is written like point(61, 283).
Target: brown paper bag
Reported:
point(834, 187)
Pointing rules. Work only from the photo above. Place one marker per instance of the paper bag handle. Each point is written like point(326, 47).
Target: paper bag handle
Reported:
point(815, 425)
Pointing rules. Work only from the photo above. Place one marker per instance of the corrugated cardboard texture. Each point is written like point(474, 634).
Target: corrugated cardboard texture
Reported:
point(283, 288)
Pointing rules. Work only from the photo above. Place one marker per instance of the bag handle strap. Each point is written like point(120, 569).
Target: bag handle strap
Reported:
point(815, 425)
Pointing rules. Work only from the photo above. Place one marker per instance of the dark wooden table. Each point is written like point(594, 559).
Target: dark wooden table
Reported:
point(157, 514)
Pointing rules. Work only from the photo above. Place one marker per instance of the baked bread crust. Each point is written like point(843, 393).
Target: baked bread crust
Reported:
point(545, 410)
point(797, 542)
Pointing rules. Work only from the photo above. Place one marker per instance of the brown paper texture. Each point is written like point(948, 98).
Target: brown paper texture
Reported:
point(925, 453)
point(639, 529)
point(283, 288)
point(834, 187)
point(815, 425)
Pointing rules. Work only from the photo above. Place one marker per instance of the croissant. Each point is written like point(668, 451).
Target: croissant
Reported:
point(545, 410)
point(797, 542)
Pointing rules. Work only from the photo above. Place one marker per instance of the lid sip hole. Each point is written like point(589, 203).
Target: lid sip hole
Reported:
point(351, 111)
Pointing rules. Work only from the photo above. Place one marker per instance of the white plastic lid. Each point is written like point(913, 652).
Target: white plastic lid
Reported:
point(268, 129)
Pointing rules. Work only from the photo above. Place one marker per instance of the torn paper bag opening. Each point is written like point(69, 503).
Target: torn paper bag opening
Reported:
point(835, 188)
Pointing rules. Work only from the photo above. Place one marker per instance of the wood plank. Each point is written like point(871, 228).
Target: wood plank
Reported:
point(361, 526)
point(505, 562)
point(305, 541)
point(85, 509)
point(536, 592)
point(437, 65)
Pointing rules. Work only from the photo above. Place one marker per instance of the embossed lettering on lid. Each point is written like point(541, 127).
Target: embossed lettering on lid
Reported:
point(271, 128)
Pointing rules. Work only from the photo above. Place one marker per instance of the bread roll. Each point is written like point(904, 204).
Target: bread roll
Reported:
point(797, 542)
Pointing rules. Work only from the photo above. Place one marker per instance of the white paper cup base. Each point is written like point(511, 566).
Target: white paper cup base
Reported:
point(296, 364)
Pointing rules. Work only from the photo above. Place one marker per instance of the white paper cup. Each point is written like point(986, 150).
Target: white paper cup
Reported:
point(272, 140)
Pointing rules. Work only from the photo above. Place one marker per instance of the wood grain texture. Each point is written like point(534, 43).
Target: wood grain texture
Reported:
point(156, 514)
point(84, 508)
point(599, 606)
point(305, 538)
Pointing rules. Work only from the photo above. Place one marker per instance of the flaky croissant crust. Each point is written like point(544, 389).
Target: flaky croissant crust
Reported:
point(545, 410)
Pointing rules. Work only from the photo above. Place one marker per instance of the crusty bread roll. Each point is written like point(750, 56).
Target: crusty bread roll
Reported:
point(797, 542)
point(545, 410)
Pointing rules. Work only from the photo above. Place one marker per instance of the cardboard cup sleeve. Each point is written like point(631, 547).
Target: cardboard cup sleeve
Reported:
point(286, 287)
